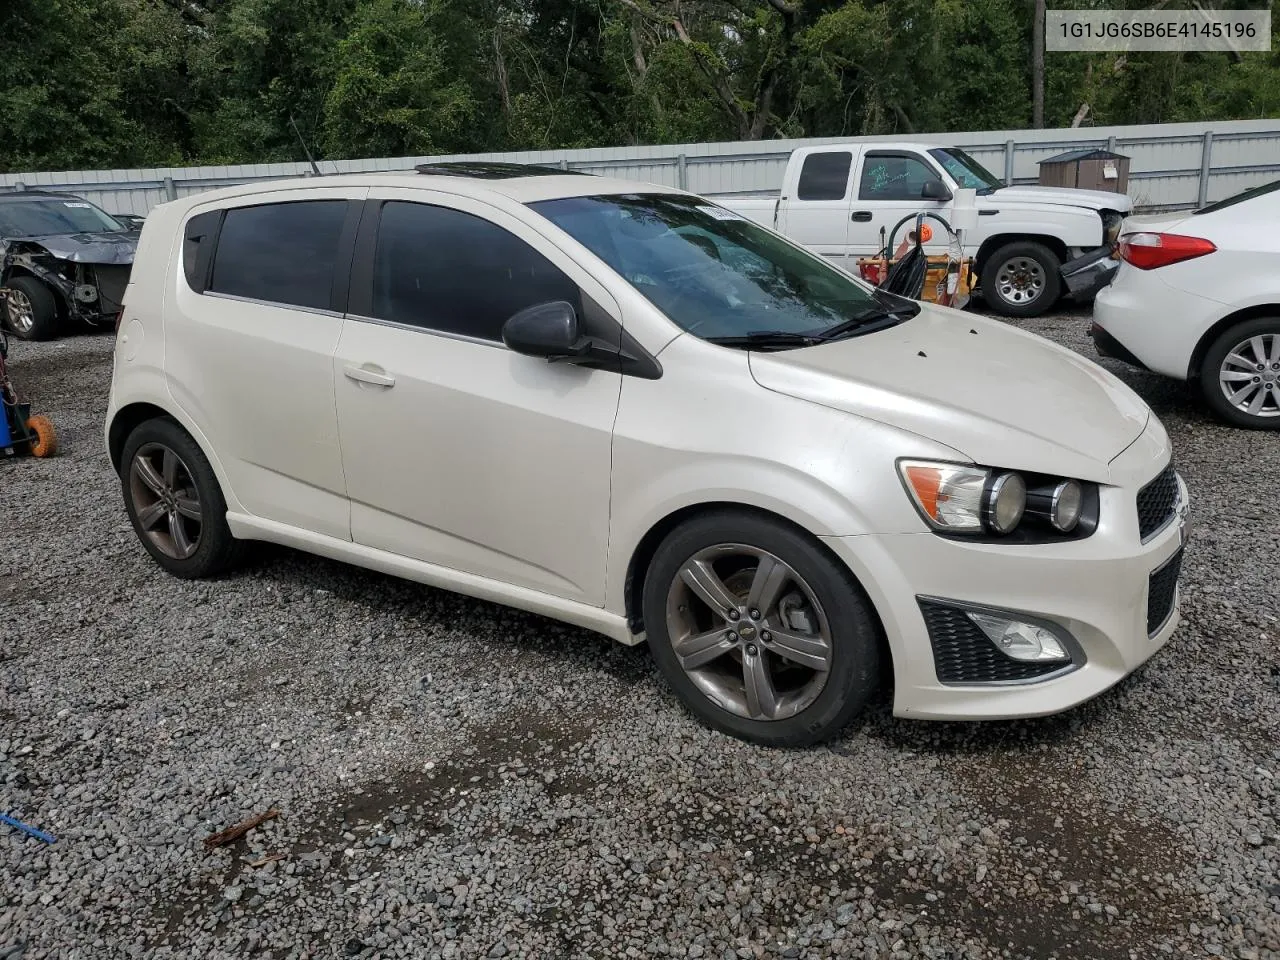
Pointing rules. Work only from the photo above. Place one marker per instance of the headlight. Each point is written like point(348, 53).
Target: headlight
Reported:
point(948, 495)
point(1003, 502)
point(1111, 223)
point(963, 499)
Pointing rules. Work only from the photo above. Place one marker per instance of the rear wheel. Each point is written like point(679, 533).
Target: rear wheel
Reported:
point(1240, 377)
point(30, 309)
point(759, 631)
point(1021, 279)
point(174, 502)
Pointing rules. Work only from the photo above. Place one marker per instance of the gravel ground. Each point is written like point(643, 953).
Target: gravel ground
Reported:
point(455, 779)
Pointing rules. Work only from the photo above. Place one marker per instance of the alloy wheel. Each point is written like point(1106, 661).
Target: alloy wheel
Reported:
point(1020, 280)
point(22, 315)
point(749, 632)
point(166, 501)
point(1250, 376)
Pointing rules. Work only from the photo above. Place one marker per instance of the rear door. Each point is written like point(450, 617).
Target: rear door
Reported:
point(251, 324)
point(817, 214)
point(889, 185)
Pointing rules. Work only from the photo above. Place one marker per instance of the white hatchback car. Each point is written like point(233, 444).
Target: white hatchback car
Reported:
point(627, 408)
point(1197, 297)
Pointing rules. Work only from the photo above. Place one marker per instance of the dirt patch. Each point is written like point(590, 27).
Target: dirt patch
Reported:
point(377, 816)
point(1065, 874)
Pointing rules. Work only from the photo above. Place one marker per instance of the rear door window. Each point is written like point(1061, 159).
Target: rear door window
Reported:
point(825, 176)
point(442, 269)
point(283, 253)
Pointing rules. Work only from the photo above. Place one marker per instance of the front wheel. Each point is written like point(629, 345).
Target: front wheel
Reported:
point(30, 309)
point(1021, 279)
point(759, 631)
point(1241, 374)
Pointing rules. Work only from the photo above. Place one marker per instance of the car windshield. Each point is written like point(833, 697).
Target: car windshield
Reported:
point(1249, 194)
point(714, 273)
point(966, 171)
point(44, 218)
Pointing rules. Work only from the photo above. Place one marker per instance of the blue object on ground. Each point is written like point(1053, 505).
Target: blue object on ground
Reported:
point(5, 439)
point(28, 829)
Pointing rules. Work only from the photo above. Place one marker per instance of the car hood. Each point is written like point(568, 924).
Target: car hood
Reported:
point(999, 396)
point(1061, 196)
point(99, 248)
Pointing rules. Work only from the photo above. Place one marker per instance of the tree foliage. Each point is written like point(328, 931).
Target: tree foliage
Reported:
point(119, 83)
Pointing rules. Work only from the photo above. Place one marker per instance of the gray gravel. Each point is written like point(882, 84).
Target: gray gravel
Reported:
point(459, 780)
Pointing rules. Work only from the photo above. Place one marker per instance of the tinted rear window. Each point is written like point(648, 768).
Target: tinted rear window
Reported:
point(280, 252)
point(825, 176)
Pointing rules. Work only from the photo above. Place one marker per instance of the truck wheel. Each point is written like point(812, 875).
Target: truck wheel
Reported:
point(1021, 279)
point(30, 310)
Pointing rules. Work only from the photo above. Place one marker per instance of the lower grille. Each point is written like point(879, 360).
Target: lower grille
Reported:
point(1157, 502)
point(963, 654)
point(1162, 591)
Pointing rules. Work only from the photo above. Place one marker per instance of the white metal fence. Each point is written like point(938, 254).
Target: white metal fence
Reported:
point(1172, 166)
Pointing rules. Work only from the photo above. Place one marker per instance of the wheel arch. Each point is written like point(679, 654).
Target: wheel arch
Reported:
point(992, 244)
point(127, 419)
point(643, 554)
point(1207, 339)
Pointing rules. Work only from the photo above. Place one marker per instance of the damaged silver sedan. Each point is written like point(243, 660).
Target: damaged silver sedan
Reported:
point(63, 263)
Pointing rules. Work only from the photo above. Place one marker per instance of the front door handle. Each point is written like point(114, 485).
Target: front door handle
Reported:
point(861, 216)
point(369, 374)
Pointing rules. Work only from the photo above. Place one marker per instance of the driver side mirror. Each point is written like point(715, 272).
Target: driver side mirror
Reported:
point(545, 330)
point(934, 190)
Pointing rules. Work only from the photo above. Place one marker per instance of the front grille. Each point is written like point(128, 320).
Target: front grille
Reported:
point(1157, 502)
point(1162, 591)
point(963, 654)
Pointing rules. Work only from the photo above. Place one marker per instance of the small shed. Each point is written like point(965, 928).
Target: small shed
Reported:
point(1089, 169)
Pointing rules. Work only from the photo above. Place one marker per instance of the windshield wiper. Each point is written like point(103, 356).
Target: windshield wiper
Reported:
point(769, 340)
point(870, 321)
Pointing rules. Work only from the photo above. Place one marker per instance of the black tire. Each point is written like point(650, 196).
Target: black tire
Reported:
point(215, 549)
point(44, 310)
point(1269, 416)
point(1049, 265)
point(855, 635)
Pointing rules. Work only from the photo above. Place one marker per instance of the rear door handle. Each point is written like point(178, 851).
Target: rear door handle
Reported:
point(369, 374)
point(861, 216)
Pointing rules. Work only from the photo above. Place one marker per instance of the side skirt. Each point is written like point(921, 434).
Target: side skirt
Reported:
point(598, 619)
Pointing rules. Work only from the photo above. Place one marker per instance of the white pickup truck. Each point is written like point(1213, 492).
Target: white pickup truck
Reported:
point(836, 198)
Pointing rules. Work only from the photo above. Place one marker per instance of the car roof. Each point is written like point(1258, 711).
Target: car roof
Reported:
point(463, 179)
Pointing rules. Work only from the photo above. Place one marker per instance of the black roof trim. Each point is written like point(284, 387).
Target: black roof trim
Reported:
point(493, 170)
point(15, 192)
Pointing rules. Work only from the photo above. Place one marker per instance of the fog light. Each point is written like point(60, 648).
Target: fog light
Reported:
point(1021, 641)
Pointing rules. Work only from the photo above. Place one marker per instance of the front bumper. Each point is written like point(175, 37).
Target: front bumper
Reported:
point(1095, 589)
point(1086, 276)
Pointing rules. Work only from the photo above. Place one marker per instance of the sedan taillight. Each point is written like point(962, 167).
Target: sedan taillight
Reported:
point(1147, 251)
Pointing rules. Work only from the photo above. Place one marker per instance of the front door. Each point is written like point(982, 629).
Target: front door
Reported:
point(456, 450)
point(889, 188)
